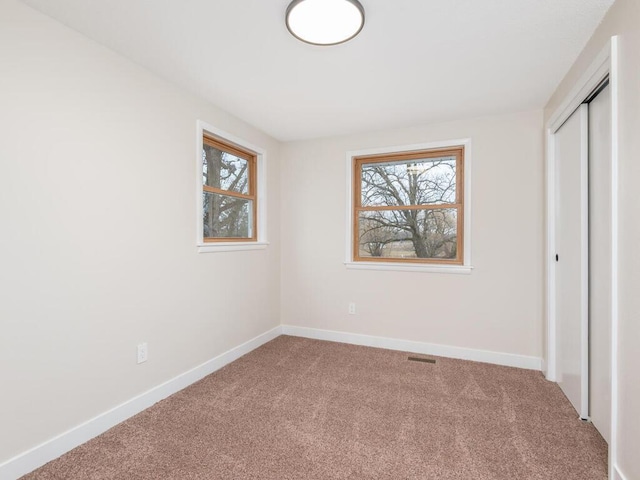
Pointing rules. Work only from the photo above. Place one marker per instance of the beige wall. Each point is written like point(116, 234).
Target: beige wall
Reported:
point(98, 227)
point(623, 19)
point(498, 307)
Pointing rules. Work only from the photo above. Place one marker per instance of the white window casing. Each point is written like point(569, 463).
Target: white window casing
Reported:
point(466, 267)
point(261, 200)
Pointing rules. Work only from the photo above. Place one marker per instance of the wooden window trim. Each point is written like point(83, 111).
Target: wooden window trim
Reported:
point(252, 196)
point(227, 147)
point(458, 152)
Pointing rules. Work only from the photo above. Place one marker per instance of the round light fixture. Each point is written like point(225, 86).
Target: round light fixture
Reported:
point(325, 22)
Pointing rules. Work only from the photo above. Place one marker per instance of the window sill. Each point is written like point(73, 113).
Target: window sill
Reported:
point(230, 247)
point(455, 269)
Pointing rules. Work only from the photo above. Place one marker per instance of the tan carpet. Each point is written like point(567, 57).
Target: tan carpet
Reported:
point(306, 409)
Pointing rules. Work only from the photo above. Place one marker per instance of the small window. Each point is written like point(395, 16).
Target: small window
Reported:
point(408, 207)
point(229, 192)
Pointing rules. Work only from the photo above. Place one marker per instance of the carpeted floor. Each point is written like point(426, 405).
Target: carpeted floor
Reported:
point(306, 409)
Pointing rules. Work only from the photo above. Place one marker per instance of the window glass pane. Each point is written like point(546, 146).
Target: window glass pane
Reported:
point(408, 233)
point(226, 217)
point(409, 182)
point(224, 170)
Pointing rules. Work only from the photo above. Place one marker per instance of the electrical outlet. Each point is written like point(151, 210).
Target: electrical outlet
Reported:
point(142, 352)
point(352, 308)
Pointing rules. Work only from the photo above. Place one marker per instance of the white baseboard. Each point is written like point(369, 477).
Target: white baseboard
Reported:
point(36, 457)
point(617, 474)
point(498, 358)
point(59, 445)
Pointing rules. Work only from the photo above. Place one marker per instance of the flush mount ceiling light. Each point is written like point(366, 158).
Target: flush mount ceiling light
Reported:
point(325, 22)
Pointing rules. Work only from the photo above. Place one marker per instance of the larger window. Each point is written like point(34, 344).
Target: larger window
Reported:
point(229, 193)
point(408, 207)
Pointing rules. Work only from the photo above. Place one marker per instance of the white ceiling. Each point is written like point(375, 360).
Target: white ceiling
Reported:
point(415, 62)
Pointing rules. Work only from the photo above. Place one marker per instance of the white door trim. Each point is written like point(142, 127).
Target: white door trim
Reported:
point(605, 64)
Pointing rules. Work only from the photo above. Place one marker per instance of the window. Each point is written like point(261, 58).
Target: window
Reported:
point(408, 207)
point(231, 199)
point(228, 192)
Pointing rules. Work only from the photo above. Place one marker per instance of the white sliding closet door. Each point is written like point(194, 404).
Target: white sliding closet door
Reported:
point(600, 262)
point(572, 315)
